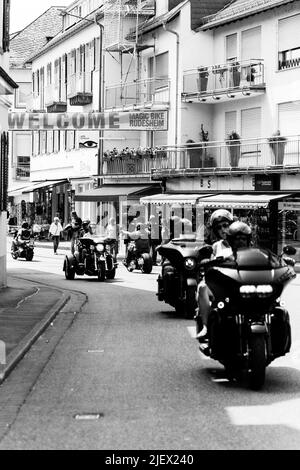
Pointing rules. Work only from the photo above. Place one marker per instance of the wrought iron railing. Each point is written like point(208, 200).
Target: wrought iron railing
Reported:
point(238, 75)
point(152, 90)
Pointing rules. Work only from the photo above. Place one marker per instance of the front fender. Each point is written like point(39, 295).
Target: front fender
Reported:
point(258, 328)
point(71, 261)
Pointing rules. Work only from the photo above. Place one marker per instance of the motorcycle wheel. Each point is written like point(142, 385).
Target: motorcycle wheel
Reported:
point(147, 265)
point(190, 304)
point(69, 272)
point(111, 274)
point(29, 256)
point(257, 362)
point(101, 271)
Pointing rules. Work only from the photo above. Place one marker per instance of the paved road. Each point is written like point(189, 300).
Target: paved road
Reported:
point(126, 374)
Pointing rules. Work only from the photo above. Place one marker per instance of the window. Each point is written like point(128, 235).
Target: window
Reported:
point(251, 43)
point(50, 142)
point(251, 123)
point(231, 47)
point(289, 118)
point(23, 95)
point(49, 74)
point(289, 42)
point(230, 122)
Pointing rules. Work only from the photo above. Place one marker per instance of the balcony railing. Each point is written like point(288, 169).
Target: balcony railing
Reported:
point(216, 80)
point(138, 93)
point(244, 155)
point(142, 165)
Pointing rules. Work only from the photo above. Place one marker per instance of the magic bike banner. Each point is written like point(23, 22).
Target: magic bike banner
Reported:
point(123, 121)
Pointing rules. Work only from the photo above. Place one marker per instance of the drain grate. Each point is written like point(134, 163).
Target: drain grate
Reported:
point(88, 416)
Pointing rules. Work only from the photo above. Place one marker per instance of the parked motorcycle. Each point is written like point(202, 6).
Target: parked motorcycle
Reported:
point(93, 257)
point(138, 259)
point(248, 326)
point(177, 283)
point(25, 249)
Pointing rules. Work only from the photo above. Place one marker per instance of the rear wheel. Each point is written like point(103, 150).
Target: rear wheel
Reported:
point(69, 272)
point(101, 271)
point(147, 263)
point(29, 255)
point(111, 274)
point(257, 361)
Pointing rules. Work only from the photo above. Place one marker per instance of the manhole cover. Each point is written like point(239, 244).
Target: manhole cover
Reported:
point(88, 416)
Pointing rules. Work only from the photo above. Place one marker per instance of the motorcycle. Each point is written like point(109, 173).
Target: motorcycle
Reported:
point(139, 259)
point(92, 257)
point(248, 326)
point(177, 283)
point(25, 249)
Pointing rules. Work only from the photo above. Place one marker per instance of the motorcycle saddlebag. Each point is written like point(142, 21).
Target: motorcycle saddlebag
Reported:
point(281, 339)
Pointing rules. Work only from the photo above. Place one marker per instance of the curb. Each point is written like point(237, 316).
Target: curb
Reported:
point(25, 344)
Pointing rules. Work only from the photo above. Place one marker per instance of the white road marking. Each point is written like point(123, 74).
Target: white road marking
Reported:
point(286, 413)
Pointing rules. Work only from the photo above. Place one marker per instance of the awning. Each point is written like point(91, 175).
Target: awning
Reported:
point(172, 199)
point(42, 184)
point(240, 201)
point(110, 193)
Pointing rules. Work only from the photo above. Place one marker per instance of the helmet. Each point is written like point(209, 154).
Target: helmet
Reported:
point(86, 223)
point(219, 215)
point(25, 225)
point(239, 228)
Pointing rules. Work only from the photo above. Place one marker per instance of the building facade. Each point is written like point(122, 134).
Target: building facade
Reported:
point(7, 87)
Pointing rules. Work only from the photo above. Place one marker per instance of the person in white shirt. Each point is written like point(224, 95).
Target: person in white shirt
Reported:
point(55, 231)
point(220, 221)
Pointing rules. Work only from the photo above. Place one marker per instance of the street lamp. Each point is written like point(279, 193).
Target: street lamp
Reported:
point(101, 90)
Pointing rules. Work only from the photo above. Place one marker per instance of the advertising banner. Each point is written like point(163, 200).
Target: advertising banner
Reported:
point(130, 121)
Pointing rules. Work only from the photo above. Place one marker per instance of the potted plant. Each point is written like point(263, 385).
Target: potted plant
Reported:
point(236, 74)
point(203, 78)
point(234, 147)
point(277, 143)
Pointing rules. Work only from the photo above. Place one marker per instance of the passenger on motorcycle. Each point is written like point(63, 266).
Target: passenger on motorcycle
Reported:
point(24, 233)
point(219, 222)
point(141, 245)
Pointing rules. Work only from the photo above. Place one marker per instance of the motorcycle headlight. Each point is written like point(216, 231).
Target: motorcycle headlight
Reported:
point(262, 290)
point(100, 247)
point(190, 263)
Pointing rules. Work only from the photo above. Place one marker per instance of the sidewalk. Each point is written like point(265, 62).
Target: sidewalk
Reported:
point(26, 309)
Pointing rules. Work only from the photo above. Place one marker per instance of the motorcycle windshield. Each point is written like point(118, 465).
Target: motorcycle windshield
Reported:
point(255, 259)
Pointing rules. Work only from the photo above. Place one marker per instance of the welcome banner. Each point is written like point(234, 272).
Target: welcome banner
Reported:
point(129, 121)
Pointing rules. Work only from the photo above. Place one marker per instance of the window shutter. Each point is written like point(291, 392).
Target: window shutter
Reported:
point(3, 171)
point(289, 33)
point(251, 43)
point(251, 123)
point(230, 122)
point(231, 47)
point(289, 118)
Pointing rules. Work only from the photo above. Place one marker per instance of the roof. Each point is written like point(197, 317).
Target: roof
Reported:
point(7, 79)
point(240, 9)
point(111, 193)
point(240, 201)
point(34, 36)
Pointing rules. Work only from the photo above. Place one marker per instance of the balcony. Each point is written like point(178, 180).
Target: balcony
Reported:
point(80, 89)
point(237, 158)
point(138, 94)
point(231, 81)
point(55, 99)
point(133, 165)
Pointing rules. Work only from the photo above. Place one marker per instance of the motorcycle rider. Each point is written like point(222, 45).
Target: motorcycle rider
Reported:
point(141, 238)
point(220, 221)
point(23, 234)
point(86, 229)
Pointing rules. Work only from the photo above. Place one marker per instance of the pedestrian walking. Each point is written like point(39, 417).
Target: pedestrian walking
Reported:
point(55, 231)
point(112, 232)
point(154, 227)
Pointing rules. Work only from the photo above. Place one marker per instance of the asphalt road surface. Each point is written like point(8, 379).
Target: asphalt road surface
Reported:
point(125, 373)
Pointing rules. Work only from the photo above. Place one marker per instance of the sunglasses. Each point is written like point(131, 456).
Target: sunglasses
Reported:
point(223, 225)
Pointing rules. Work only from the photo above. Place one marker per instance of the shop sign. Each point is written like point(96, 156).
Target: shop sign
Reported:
point(266, 183)
point(289, 206)
point(114, 121)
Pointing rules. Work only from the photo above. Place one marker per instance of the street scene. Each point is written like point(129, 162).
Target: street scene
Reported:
point(149, 227)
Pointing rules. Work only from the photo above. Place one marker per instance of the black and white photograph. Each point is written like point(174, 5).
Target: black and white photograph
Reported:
point(150, 228)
